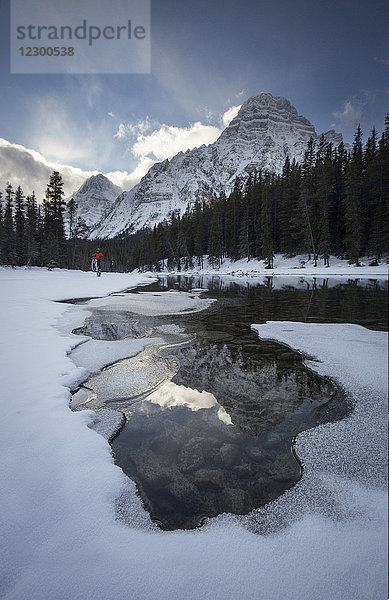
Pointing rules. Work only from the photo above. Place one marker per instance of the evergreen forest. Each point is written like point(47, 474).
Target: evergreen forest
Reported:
point(335, 203)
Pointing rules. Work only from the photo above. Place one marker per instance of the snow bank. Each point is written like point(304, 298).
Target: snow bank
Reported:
point(59, 528)
point(357, 359)
point(297, 265)
point(345, 463)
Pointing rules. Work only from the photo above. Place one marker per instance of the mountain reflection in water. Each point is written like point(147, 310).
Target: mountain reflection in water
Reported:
point(217, 438)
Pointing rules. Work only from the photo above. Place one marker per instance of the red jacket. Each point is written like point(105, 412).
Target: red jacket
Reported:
point(98, 255)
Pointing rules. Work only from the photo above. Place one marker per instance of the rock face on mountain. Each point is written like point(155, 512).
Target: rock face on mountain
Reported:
point(265, 131)
point(94, 198)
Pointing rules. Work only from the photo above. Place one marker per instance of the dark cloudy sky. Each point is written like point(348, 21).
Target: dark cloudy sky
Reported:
point(329, 58)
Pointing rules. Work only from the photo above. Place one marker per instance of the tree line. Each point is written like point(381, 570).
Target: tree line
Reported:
point(335, 203)
point(28, 229)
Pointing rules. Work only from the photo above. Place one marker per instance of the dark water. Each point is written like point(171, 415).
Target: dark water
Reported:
point(321, 300)
point(218, 438)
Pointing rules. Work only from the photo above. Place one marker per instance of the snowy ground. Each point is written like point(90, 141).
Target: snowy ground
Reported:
point(297, 265)
point(60, 534)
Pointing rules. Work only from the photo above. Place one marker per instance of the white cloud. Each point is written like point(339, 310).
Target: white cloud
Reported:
point(127, 180)
point(131, 130)
point(163, 141)
point(352, 110)
point(230, 114)
point(29, 169)
point(121, 132)
point(146, 140)
point(168, 140)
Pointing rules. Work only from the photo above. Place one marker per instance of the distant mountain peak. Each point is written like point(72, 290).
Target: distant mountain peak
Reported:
point(96, 195)
point(98, 181)
point(266, 105)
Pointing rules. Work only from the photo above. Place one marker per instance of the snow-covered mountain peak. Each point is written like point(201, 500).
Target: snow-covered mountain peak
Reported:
point(97, 183)
point(268, 110)
point(96, 195)
point(266, 129)
point(264, 105)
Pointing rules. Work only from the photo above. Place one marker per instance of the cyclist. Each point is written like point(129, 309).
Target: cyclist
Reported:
point(97, 258)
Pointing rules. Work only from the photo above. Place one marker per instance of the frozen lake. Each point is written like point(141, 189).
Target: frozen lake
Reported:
point(211, 410)
point(72, 524)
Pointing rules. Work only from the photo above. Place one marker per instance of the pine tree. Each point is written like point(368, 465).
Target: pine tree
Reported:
point(19, 226)
point(72, 215)
point(324, 187)
point(353, 207)
point(79, 230)
point(51, 251)
point(8, 228)
point(247, 226)
point(243, 234)
point(308, 200)
point(324, 237)
point(267, 252)
point(199, 233)
point(54, 207)
point(233, 219)
point(1, 230)
point(337, 218)
point(291, 216)
point(171, 243)
point(307, 240)
point(31, 231)
point(215, 241)
point(377, 174)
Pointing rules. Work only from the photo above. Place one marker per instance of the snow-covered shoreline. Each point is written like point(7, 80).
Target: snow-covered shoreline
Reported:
point(60, 536)
point(284, 266)
point(356, 358)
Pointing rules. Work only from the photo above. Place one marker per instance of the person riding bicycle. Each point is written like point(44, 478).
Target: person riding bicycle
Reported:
point(97, 259)
point(98, 255)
